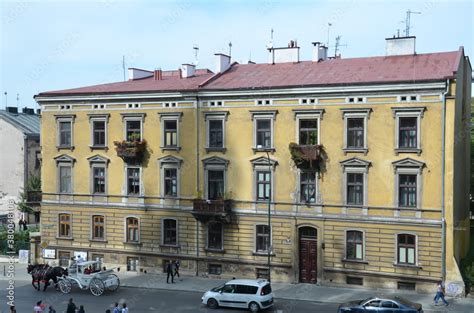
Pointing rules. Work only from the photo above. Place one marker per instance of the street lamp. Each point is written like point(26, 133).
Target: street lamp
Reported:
point(269, 214)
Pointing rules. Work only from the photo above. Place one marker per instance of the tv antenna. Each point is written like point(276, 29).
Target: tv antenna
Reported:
point(196, 51)
point(407, 22)
point(230, 48)
point(329, 27)
point(337, 45)
point(270, 43)
point(17, 99)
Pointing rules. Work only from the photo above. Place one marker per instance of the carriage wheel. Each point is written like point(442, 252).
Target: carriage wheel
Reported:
point(65, 286)
point(114, 286)
point(97, 287)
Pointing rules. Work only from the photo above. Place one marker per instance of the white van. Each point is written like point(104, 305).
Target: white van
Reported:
point(253, 294)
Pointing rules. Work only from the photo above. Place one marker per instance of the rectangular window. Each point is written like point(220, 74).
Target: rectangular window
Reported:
point(354, 245)
point(170, 232)
point(64, 257)
point(132, 264)
point(132, 229)
point(355, 133)
point(407, 190)
point(215, 181)
point(65, 179)
point(408, 132)
point(171, 133)
point(97, 257)
point(406, 249)
point(264, 133)
point(133, 181)
point(98, 133)
point(355, 188)
point(171, 182)
point(98, 180)
point(133, 130)
point(308, 187)
point(262, 238)
point(214, 236)
point(263, 185)
point(65, 131)
point(215, 269)
point(216, 133)
point(351, 280)
point(98, 227)
point(308, 133)
point(64, 225)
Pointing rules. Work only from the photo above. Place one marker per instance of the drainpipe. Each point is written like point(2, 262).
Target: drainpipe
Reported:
point(198, 133)
point(443, 158)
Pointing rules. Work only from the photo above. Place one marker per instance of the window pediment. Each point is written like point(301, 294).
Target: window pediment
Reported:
point(98, 159)
point(407, 110)
point(215, 160)
point(409, 162)
point(170, 159)
point(264, 113)
point(216, 115)
point(308, 112)
point(65, 159)
point(170, 115)
point(355, 162)
point(263, 161)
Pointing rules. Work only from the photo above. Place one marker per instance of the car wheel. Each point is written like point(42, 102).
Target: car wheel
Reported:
point(212, 303)
point(254, 307)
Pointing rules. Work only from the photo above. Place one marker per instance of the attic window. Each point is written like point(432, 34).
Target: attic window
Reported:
point(412, 98)
point(133, 105)
point(215, 103)
point(267, 102)
point(312, 101)
point(98, 106)
point(351, 100)
point(169, 104)
point(403, 98)
point(65, 107)
point(304, 101)
point(360, 99)
point(264, 102)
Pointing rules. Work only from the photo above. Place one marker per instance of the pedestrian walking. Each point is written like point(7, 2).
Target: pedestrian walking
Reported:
point(39, 307)
point(51, 309)
point(124, 308)
point(169, 273)
point(176, 269)
point(12, 309)
point(71, 307)
point(440, 293)
point(81, 309)
point(116, 308)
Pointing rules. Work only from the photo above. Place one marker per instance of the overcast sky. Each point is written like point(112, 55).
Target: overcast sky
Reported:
point(51, 45)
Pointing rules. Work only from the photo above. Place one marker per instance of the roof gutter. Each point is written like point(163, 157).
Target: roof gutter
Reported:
point(443, 170)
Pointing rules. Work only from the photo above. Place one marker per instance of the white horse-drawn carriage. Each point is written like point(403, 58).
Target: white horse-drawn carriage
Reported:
point(89, 275)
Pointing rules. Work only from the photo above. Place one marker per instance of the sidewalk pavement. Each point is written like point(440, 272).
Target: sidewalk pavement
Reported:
point(282, 291)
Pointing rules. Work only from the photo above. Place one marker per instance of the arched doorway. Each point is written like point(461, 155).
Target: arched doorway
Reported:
point(308, 253)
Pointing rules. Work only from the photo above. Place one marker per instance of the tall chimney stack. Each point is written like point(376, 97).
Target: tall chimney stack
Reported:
point(222, 62)
point(320, 52)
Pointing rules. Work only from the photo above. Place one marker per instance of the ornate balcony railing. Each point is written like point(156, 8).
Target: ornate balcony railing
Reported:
point(206, 210)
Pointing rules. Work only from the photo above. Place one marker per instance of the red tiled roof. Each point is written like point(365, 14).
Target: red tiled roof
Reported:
point(369, 70)
point(390, 69)
point(170, 82)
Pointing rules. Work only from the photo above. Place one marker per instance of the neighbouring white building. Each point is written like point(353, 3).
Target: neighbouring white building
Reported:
point(20, 156)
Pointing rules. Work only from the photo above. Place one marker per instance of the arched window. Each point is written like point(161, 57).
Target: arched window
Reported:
point(406, 249)
point(133, 229)
point(354, 245)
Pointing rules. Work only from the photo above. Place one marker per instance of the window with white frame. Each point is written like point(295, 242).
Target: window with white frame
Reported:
point(354, 245)
point(355, 129)
point(308, 126)
point(406, 249)
point(132, 228)
point(133, 126)
point(215, 124)
point(98, 124)
point(308, 181)
point(263, 123)
point(64, 165)
point(408, 128)
point(98, 227)
point(408, 183)
point(355, 177)
point(169, 173)
point(215, 170)
point(170, 232)
point(65, 225)
point(215, 236)
point(170, 130)
point(98, 165)
point(263, 178)
point(133, 180)
point(262, 238)
point(65, 131)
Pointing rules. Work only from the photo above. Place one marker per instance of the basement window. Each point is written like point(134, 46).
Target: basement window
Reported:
point(403, 285)
point(262, 273)
point(215, 269)
point(351, 280)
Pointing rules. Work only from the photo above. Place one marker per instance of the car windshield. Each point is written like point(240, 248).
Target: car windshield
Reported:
point(365, 300)
point(218, 288)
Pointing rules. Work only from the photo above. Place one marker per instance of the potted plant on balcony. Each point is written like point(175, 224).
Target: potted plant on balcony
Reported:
point(306, 156)
point(131, 150)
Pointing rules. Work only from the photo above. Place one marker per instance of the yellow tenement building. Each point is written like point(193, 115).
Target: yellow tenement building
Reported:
point(361, 165)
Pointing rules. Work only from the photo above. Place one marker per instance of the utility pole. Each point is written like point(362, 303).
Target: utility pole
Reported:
point(407, 22)
point(329, 27)
point(123, 66)
point(230, 48)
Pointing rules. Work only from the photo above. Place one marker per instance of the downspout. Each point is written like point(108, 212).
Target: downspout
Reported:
point(198, 133)
point(25, 164)
point(443, 159)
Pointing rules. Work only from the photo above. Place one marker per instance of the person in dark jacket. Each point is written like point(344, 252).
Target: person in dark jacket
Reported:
point(169, 272)
point(81, 309)
point(71, 307)
point(176, 268)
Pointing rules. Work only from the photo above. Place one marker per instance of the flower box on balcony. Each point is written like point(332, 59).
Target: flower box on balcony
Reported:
point(306, 156)
point(130, 151)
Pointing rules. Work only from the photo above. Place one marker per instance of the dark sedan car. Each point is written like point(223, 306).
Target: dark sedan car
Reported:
point(380, 305)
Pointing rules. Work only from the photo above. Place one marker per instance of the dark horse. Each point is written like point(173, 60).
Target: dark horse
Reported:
point(43, 273)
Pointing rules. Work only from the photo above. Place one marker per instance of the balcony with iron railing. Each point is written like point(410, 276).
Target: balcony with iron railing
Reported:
point(217, 210)
point(34, 197)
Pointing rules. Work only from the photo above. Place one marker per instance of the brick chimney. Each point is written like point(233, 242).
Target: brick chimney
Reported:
point(158, 74)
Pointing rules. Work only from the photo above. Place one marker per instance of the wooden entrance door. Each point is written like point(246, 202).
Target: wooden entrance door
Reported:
point(308, 245)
